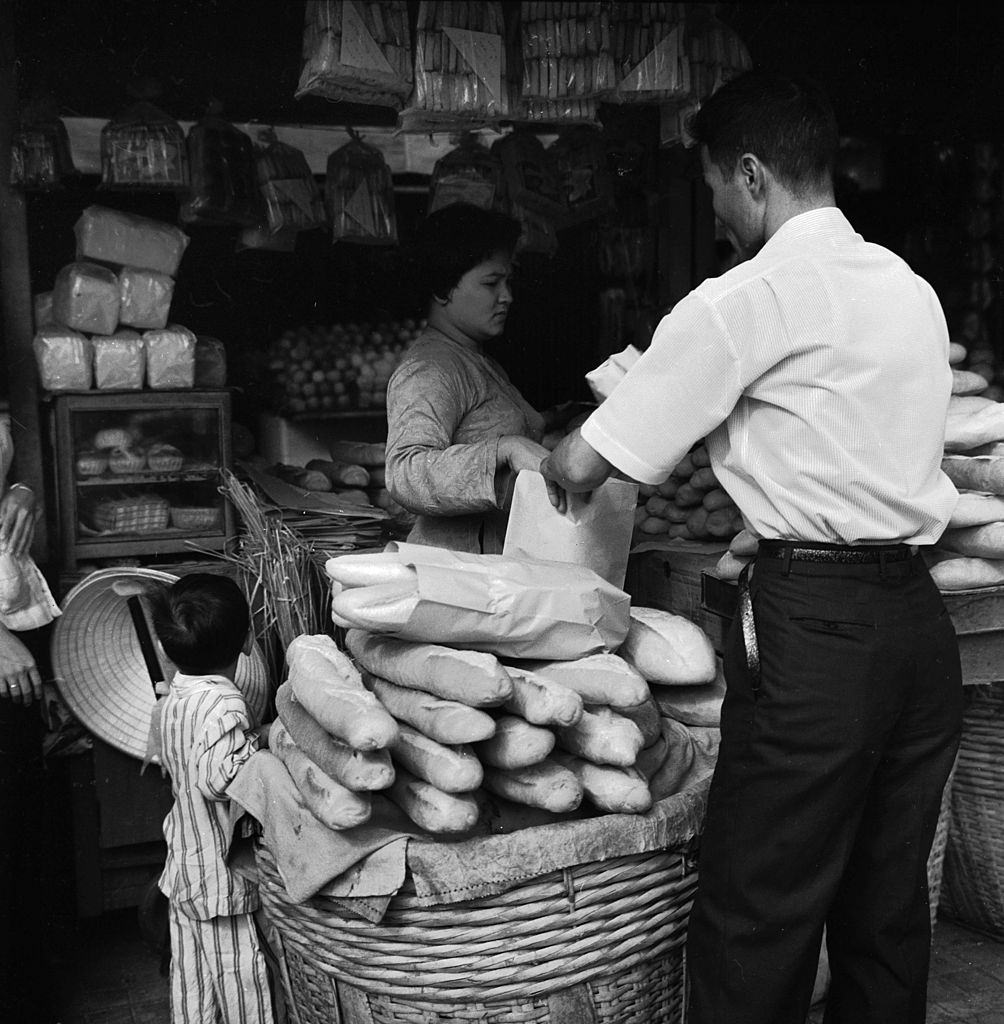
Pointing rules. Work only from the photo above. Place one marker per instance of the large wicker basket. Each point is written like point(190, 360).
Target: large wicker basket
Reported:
point(600, 942)
point(973, 887)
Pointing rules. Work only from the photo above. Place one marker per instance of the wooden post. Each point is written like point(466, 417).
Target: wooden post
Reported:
point(15, 294)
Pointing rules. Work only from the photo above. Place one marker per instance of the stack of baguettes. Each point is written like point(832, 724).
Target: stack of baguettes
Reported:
point(436, 727)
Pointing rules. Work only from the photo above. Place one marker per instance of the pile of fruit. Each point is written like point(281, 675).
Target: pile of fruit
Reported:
point(339, 368)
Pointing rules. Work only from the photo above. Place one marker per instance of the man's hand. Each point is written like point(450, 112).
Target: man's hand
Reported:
point(521, 453)
point(18, 514)
point(19, 677)
point(575, 466)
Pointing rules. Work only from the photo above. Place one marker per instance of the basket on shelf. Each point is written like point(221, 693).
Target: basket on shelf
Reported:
point(113, 437)
point(146, 513)
point(193, 518)
point(164, 458)
point(601, 941)
point(91, 463)
point(126, 460)
point(973, 886)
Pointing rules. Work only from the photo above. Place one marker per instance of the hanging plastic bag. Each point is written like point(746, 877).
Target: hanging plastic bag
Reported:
point(579, 160)
point(224, 181)
point(40, 155)
point(566, 51)
point(530, 175)
point(359, 195)
point(357, 52)
point(291, 196)
point(469, 173)
point(143, 148)
point(650, 53)
point(460, 67)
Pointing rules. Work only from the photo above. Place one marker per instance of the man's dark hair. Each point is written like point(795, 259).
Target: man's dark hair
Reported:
point(201, 621)
point(454, 240)
point(788, 124)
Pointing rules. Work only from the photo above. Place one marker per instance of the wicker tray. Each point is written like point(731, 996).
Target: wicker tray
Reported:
point(190, 518)
point(600, 942)
point(145, 514)
point(973, 885)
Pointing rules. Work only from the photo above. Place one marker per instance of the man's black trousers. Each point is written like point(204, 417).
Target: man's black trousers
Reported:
point(826, 797)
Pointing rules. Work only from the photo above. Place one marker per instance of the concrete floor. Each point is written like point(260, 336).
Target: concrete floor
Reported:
point(110, 975)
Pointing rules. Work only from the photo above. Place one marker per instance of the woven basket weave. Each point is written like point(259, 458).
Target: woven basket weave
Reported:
point(600, 942)
point(144, 514)
point(973, 887)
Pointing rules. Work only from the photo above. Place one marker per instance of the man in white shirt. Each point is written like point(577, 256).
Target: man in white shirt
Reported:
point(818, 371)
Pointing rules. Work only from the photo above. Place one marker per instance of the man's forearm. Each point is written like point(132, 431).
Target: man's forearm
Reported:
point(576, 465)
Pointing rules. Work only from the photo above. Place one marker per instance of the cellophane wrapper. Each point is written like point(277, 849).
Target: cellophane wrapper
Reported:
point(85, 297)
point(119, 361)
point(64, 358)
point(359, 195)
point(143, 148)
point(357, 53)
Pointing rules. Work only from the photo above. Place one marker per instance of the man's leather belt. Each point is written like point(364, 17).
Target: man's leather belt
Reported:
point(839, 553)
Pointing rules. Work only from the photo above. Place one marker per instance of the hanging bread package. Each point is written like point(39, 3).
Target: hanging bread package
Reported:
point(359, 194)
point(357, 53)
point(460, 68)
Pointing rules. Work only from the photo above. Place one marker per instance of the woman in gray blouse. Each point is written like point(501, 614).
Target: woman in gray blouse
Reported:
point(458, 430)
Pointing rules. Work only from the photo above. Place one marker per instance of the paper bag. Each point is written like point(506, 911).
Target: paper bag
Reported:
point(595, 531)
point(510, 607)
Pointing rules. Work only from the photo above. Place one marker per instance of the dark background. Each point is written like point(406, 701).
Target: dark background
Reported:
point(914, 84)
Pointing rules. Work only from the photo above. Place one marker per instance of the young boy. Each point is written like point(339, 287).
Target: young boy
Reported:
point(218, 970)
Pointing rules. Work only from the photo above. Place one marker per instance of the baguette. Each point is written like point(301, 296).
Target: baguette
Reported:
point(984, 473)
point(474, 678)
point(330, 802)
point(667, 648)
point(329, 686)
point(452, 769)
point(602, 737)
point(369, 568)
point(381, 608)
point(646, 716)
point(615, 790)
point(597, 679)
point(540, 701)
point(432, 809)
point(984, 541)
point(446, 721)
point(357, 770)
point(975, 509)
point(516, 744)
point(547, 785)
point(967, 573)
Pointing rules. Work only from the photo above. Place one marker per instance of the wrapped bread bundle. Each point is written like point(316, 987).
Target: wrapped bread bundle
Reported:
point(650, 52)
point(170, 357)
point(64, 359)
point(144, 297)
point(359, 194)
point(224, 182)
point(129, 240)
point(143, 148)
point(86, 298)
point(357, 53)
point(460, 66)
point(292, 199)
point(119, 361)
point(469, 173)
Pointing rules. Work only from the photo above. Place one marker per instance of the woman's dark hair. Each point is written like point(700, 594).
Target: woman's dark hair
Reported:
point(456, 239)
point(201, 621)
point(788, 124)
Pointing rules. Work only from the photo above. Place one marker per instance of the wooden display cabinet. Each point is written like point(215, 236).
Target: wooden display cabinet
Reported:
point(137, 473)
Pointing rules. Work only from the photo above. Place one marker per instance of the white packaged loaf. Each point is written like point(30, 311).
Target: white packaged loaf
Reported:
point(128, 240)
point(64, 359)
point(144, 297)
point(170, 357)
point(86, 298)
point(119, 361)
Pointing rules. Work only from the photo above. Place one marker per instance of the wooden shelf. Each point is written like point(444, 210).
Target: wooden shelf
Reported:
point(181, 476)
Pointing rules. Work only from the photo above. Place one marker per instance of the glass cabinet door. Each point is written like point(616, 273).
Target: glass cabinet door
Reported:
point(141, 474)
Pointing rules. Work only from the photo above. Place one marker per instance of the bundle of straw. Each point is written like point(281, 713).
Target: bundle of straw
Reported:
point(281, 575)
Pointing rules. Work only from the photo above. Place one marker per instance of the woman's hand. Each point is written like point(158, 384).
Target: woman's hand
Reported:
point(518, 453)
point(18, 513)
point(19, 677)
